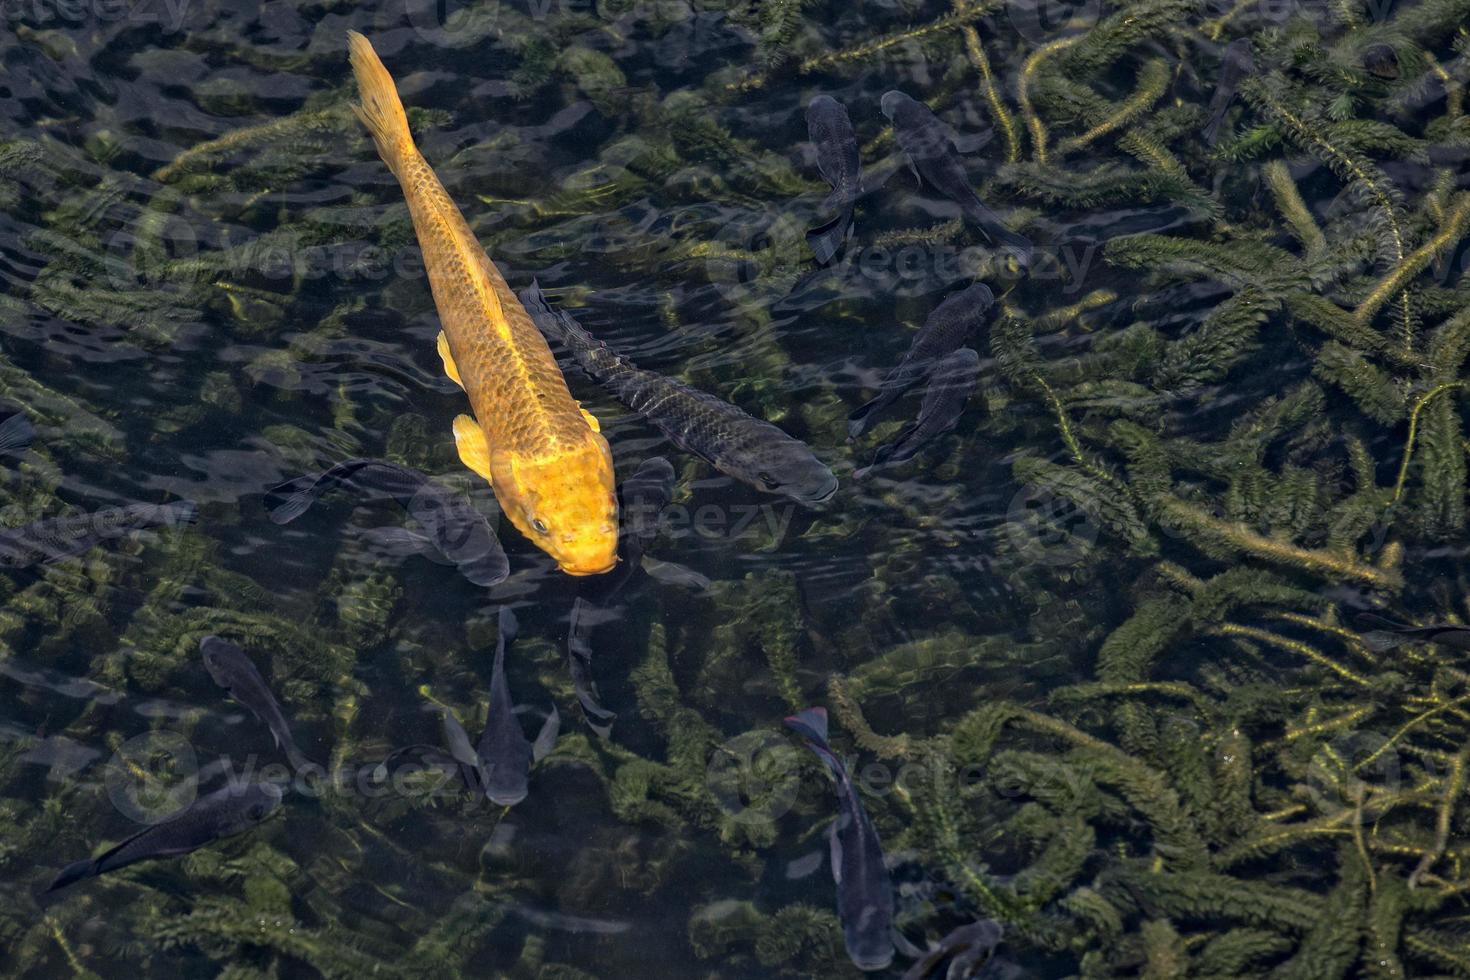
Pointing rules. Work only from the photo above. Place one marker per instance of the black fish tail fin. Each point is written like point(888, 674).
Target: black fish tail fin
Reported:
point(297, 759)
point(288, 501)
point(827, 238)
point(73, 873)
point(1381, 641)
point(16, 433)
point(1373, 621)
point(859, 420)
point(810, 723)
point(1212, 128)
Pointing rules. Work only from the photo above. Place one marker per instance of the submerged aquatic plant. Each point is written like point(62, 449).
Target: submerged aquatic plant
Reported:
point(1100, 643)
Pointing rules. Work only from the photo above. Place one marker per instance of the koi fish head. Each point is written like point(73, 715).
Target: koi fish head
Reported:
point(566, 505)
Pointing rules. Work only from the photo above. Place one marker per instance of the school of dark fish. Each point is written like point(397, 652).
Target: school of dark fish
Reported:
point(451, 528)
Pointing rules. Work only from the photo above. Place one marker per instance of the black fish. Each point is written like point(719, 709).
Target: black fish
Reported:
point(579, 663)
point(950, 387)
point(733, 442)
point(864, 890)
point(952, 323)
point(503, 750)
point(63, 537)
point(223, 813)
point(16, 434)
point(830, 131)
point(930, 146)
point(1385, 634)
point(236, 673)
point(643, 497)
point(1235, 64)
point(966, 949)
point(455, 529)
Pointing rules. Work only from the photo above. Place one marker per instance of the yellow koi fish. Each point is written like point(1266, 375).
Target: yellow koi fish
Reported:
point(542, 452)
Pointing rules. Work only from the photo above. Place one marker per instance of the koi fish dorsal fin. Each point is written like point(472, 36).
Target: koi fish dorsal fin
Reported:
point(449, 366)
point(591, 419)
point(474, 450)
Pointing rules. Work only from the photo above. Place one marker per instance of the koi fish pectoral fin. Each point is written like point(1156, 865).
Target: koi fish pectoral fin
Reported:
point(591, 419)
point(469, 439)
point(449, 366)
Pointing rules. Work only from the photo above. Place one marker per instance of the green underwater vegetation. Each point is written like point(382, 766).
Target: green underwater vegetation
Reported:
point(1096, 649)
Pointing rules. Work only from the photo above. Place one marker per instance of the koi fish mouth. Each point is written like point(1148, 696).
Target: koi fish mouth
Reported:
point(575, 570)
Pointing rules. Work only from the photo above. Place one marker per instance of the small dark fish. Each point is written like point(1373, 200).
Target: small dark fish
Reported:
point(830, 131)
point(579, 663)
point(64, 537)
point(952, 323)
point(733, 442)
point(503, 750)
point(1385, 634)
point(642, 498)
point(1236, 64)
point(930, 147)
point(454, 528)
point(16, 434)
point(223, 813)
point(237, 674)
point(864, 890)
point(1381, 60)
point(950, 387)
point(966, 948)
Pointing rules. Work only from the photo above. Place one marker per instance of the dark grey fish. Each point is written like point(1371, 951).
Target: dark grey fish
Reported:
point(63, 537)
point(966, 948)
point(503, 750)
point(952, 323)
point(1236, 64)
point(830, 131)
point(1385, 634)
point(642, 497)
point(16, 434)
point(864, 890)
point(579, 664)
point(223, 813)
point(733, 442)
point(236, 673)
point(930, 147)
point(454, 528)
point(950, 387)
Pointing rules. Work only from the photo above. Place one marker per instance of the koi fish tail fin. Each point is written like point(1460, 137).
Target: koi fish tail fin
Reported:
point(826, 239)
point(380, 110)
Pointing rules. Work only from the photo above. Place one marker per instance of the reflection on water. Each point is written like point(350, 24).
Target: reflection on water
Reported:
point(1090, 656)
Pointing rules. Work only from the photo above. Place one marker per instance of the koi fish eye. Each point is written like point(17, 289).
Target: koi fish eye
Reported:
point(540, 526)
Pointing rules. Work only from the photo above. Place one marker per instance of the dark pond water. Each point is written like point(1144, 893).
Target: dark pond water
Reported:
point(1093, 657)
